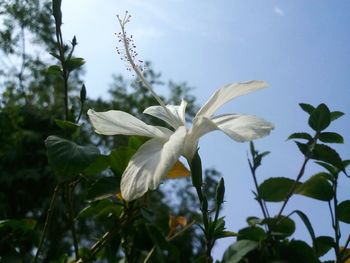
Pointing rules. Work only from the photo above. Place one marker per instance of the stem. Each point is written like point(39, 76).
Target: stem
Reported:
point(294, 186)
point(70, 189)
point(47, 222)
point(336, 222)
point(260, 201)
point(168, 238)
point(64, 69)
point(20, 74)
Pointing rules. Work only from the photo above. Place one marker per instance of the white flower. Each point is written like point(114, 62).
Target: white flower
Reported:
point(157, 156)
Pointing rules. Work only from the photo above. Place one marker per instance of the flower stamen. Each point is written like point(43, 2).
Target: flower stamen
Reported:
point(129, 56)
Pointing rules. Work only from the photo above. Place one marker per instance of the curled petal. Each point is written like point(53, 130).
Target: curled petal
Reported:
point(243, 128)
point(177, 111)
point(150, 164)
point(227, 93)
point(118, 122)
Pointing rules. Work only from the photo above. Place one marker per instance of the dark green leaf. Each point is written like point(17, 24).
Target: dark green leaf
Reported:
point(330, 168)
point(275, 189)
point(75, 63)
point(331, 137)
point(157, 237)
point(303, 148)
point(100, 208)
point(54, 69)
point(238, 250)
point(21, 225)
point(252, 233)
point(320, 118)
point(300, 135)
point(324, 244)
point(343, 211)
point(224, 234)
point(55, 55)
point(327, 154)
point(307, 107)
point(119, 158)
point(104, 187)
point(67, 158)
point(281, 227)
point(336, 114)
point(100, 164)
point(135, 142)
point(67, 125)
point(299, 251)
point(309, 227)
point(252, 220)
point(316, 187)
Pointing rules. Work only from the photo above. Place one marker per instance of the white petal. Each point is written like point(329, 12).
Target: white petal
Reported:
point(243, 127)
point(150, 164)
point(118, 122)
point(177, 111)
point(227, 93)
point(201, 126)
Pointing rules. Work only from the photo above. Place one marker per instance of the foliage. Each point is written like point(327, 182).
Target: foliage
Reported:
point(60, 183)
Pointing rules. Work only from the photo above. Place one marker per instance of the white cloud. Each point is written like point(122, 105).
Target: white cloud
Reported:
point(278, 11)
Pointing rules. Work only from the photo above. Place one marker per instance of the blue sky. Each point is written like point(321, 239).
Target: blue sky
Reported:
point(301, 48)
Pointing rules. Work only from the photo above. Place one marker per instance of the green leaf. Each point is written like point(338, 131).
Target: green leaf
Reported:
point(336, 114)
point(135, 142)
point(252, 233)
point(330, 168)
point(120, 157)
point(299, 251)
point(100, 164)
point(320, 118)
point(316, 187)
point(18, 225)
point(281, 227)
point(100, 208)
point(75, 63)
point(343, 211)
point(303, 148)
point(225, 234)
point(238, 250)
point(67, 158)
point(309, 227)
point(300, 135)
point(327, 154)
point(157, 237)
point(67, 125)
point(54, 69)
point(252, 220)
point(103, 188)
point(324, 244)
point(307, 107)
point(55, 55)
point(331, 137)
point(275, 189)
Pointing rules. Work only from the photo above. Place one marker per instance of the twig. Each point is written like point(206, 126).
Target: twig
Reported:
point(70, 189)
point(169, 238)
point(47, 222)
point(294, 186)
